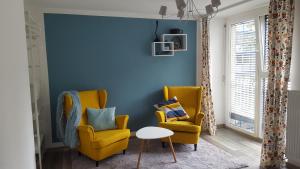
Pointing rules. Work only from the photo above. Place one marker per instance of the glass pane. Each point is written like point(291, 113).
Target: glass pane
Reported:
point(243, 75)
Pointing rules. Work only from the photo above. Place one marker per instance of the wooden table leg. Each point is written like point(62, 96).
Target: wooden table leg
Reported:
point(141, 150)
point(148, 145)
point(172, 149)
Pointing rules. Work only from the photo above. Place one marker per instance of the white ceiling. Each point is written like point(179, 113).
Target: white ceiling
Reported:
point(143, 7)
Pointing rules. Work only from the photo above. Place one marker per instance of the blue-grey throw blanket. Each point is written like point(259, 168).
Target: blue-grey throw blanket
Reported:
point(66, 128)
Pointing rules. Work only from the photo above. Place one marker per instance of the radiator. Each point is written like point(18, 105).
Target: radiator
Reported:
point(293, 128)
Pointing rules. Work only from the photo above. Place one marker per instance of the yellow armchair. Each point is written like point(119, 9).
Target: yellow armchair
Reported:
point(185, 132)
point(98, 145)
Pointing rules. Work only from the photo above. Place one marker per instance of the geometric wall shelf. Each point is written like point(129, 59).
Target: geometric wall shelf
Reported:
point(179, 40)
point(162, 48)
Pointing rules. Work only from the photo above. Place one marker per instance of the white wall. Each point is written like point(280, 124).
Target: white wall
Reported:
point(295, 69)
point(217, 65)
point(16, 130)
point(295, 85)
point(217, 68)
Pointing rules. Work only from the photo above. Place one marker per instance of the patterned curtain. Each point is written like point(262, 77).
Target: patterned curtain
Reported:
point(281, 17)
point(209, 122)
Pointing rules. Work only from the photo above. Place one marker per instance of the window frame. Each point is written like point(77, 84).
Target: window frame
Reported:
point(256, 15)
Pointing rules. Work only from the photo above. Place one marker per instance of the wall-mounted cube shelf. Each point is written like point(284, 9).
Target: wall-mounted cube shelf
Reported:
point(162, 49)
point(179, 40)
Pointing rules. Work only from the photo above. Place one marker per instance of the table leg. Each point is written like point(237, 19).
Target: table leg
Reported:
point(172, 149)
point(148, 145)
point(141, 150)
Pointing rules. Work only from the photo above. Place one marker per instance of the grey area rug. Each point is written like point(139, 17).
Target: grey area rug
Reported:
point(207, 156)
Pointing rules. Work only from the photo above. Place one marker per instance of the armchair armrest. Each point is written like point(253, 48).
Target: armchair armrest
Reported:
point(86, 131)
point(199, 118)
point(160, 115)
point(121, 121)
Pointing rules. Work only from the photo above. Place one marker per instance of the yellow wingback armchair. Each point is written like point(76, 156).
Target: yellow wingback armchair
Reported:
point(185, 132)
point(98, 145)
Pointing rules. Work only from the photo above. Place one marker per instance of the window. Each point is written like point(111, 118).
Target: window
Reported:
point(248, 74)
point(243, 75)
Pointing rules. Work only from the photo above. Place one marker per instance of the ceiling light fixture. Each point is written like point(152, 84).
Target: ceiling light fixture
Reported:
point(188, 9)
point(163, 11)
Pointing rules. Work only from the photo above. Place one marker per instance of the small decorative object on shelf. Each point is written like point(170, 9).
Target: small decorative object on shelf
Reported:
point(162, 49)
point(176, 31)
point(169, 43)
point(179, 40)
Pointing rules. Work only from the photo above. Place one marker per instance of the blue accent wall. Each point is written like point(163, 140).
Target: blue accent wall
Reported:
point(93, 52)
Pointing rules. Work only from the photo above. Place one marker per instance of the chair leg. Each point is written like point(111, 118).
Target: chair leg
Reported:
point(163, 144)
point(195, 147)
point(97, 163)
point(124, 151)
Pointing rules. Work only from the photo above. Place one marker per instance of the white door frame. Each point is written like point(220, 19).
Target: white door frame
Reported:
point(255, 14)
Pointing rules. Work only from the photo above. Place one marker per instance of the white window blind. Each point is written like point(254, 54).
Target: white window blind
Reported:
point(243, 74)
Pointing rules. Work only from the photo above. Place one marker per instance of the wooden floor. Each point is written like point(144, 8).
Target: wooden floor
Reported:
point(228, 140)
point(59, 158)
point(236, 144)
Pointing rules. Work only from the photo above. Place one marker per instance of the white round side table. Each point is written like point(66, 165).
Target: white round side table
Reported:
point(149, 133)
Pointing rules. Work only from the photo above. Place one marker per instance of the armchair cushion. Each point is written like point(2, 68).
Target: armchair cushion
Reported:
point(107, 137)
point(182, 126)
point(102, 119)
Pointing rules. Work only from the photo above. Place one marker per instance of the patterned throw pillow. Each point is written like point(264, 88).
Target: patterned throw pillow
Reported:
point(163, 103)
point(173, 110)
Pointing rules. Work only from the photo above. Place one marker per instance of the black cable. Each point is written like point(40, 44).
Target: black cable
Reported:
point(156, 37)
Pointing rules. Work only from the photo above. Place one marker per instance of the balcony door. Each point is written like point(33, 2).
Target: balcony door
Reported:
point(246, 70)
